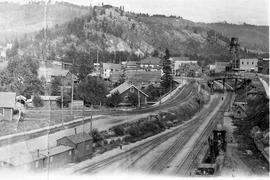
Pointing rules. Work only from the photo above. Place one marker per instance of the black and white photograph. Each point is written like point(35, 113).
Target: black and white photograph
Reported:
point(134, 89)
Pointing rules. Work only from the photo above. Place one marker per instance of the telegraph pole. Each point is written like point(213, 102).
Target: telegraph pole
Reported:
point(72, 93)
point(62, 102)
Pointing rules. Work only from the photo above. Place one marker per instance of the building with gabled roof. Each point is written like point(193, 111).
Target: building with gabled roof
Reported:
point(53, 157)
point(7, 105)
point(126, 89)
point(81, 142)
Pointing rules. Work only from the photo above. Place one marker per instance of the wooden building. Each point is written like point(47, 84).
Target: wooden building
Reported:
point(126, 89)
point(54, 157)
point(7, 105)
point(82, 144)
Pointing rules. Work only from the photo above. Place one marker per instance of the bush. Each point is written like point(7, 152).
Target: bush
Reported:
point(119, 131)
point(96, 136)
point(37, 101)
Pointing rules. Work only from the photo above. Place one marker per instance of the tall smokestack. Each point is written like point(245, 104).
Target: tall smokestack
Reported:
point(75, 130)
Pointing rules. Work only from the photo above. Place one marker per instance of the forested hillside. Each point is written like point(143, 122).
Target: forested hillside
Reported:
point(117, 35)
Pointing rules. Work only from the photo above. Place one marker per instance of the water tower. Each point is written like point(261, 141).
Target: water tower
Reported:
point(234, 51)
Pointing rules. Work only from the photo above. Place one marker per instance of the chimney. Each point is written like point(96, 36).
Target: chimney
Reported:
point(75, 130)
point(37, 152)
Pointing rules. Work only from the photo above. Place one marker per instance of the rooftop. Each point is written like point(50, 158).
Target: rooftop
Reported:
point(143, 76)
point(152, 61)
point(182, 58)
point(123, 87)
point(111, 66)
point(25, 158)
point(79, 138)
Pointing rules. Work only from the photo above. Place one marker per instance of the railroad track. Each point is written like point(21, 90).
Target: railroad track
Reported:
point(182, 96)
point(167, 156)
point(142, 149)
point(131, 152)
point(184, 167)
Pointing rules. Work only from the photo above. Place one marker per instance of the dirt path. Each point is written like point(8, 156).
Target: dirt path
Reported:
point(233, 165)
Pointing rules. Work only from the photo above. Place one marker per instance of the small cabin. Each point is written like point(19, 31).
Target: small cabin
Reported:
point(81, 142)
point(7, 105)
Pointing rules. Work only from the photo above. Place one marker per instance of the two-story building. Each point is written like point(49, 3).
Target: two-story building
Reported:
point(248, 65)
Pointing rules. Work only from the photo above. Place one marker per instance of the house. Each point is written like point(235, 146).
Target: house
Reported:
point(263, 66)
point(151, 63)
point(248, 64)
point(68, 78)
point(239, 110)
point(178, 62)
point(53, 157)
point(48, 101)
point(108, 68)
point(126, 89)
point(132, 65)
point(81, 142)
point(221, 66)
point(66, 65)
point(143, 78)
point(50, 72)
point(7, 105)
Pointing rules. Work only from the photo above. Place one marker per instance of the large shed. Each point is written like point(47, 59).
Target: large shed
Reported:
point(82, 144)
point(7, 105)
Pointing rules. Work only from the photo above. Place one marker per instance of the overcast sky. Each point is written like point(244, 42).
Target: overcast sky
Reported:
point(233, 11)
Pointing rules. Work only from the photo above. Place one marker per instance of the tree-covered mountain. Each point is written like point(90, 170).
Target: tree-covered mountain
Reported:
point(115, 35)
point(18, 19)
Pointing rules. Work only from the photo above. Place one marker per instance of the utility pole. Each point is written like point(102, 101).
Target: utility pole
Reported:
point(139, 103)
point(62, 102)
point(72, 93)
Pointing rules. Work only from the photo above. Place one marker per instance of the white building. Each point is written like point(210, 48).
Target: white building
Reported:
point(248, 64)
point(108, 68)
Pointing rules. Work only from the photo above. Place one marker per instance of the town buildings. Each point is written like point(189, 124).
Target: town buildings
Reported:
point(221, 66)
point(7, 105)
point(143, 78)
point(151, 64)
point(183, 66)
point(108, 68)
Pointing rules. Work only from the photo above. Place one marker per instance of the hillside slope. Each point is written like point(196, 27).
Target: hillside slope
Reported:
point(252, 37)
point(111, 29)
point(17, 19)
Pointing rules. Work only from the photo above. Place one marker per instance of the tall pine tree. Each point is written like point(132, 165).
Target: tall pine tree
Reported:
point(166, 79)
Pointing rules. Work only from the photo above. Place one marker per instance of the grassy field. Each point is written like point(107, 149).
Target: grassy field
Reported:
point(35, 119)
